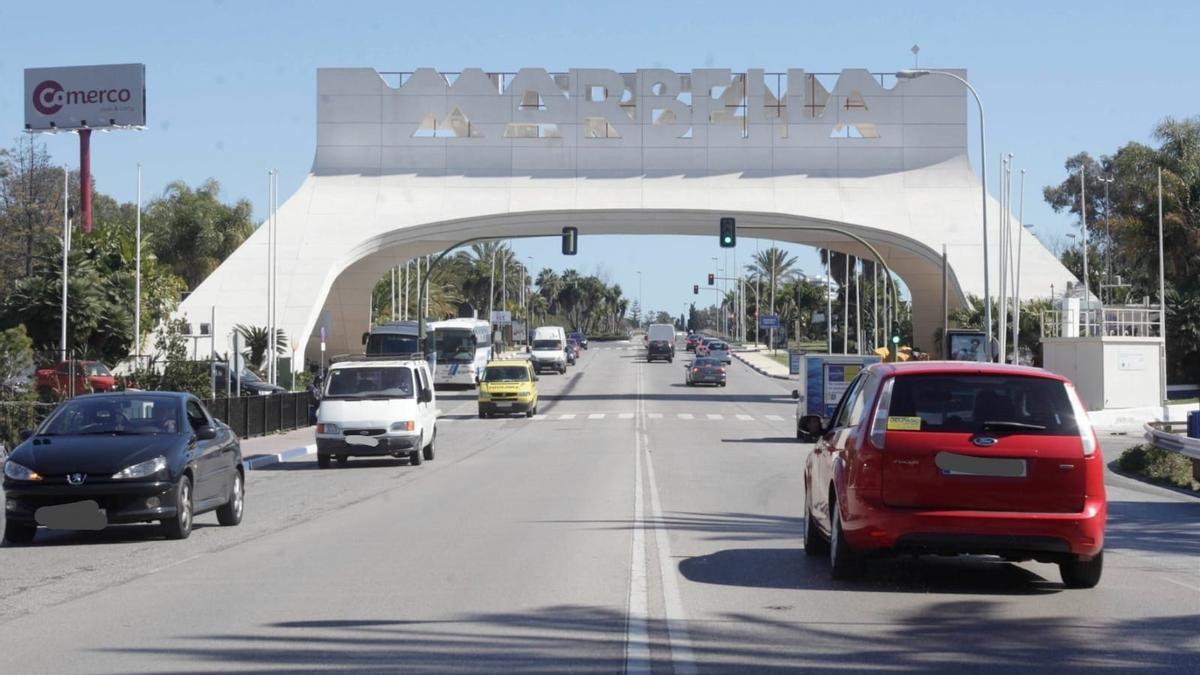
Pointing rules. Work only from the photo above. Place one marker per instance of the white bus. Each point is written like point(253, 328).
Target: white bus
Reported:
point(463, 346)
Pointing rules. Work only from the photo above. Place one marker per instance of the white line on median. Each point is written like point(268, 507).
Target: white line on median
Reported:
point(637, 633)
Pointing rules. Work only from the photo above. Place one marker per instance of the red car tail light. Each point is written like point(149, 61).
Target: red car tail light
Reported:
point(722, 371)
point(879, 423)
point(695, 370)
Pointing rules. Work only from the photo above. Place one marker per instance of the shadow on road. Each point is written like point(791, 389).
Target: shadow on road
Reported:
point(1158, 527)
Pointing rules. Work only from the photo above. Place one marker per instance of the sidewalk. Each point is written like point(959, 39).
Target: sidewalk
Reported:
point(266, 450)
point(763, 363)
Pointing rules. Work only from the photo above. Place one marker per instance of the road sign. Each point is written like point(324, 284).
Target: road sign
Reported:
point(501, 317)
point(768, 321)
point(794, 362)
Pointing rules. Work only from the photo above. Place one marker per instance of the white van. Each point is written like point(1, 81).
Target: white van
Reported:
point(377, 407)
point(547, 349)
point(660, 342)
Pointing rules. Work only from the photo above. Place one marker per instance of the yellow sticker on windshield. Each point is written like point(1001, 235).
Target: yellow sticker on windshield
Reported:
point(904, 424)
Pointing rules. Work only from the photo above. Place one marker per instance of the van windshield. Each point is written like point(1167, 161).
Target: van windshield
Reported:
point(370, 382)
point(547, 344)
point(382, 344)
point(981, 403)
point(506, 374)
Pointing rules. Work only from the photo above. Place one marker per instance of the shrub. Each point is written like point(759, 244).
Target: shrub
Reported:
point(1162, 466)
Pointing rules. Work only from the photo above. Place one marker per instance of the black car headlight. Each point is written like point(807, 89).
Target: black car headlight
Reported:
point(143, 469)
point(19, 472)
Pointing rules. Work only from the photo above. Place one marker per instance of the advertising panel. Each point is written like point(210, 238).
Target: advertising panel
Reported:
point(966, 346)
point(85, 97)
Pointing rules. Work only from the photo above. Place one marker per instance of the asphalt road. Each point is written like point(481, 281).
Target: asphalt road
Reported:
point(636, 525)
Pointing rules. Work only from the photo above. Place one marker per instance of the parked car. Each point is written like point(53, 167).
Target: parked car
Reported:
point(250, 383)
point(506, 387)
point(74, 377)
point(957, 458)
point(377, 407)
point(574, 345)
point(124, 457)
point(579, 337)
point(704, 370)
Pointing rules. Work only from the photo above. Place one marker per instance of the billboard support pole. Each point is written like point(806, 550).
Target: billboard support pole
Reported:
point(85, 178)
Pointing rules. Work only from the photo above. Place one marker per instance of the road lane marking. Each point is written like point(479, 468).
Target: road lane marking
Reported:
point(626, 416)
point(596, 416)
point(567, 416)
point(682, 661)
point(655, 416)
point(637, 631)
point(746, 418)
point(773, 418)
point(684, 416)
point(715, 416)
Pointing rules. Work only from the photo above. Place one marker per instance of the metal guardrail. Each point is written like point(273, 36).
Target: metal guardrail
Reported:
point(1161, 438)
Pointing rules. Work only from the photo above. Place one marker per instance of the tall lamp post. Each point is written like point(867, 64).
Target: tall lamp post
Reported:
point(987, 287)
point(1107, 180)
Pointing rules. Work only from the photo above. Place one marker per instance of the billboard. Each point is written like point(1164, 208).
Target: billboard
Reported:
point(85, 97)
point(966, 345)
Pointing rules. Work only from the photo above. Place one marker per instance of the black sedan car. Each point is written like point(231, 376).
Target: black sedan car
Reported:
point(704, 370)
point(123, 457)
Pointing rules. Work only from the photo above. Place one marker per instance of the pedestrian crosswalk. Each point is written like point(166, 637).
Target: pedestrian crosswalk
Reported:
point(619, 415)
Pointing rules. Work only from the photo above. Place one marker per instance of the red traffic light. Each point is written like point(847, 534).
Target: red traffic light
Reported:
point(712, 278)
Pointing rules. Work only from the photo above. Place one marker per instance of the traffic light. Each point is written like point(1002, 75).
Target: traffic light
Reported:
point(894, 342)
point(695, 289)
point(712, 278)
point(570, 240)
point(728, 233)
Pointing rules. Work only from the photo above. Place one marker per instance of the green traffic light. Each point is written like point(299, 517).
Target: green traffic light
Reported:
point(896, 339)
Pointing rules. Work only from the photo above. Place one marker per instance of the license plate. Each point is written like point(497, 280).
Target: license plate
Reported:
point(505, 404)
point(369, 441)
point(85, 515)
point(952, 464)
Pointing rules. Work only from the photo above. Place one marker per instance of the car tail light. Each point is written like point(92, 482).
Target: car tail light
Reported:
point(879, 422)
point(722, 371)
point(695, 370)
point(1086, 434)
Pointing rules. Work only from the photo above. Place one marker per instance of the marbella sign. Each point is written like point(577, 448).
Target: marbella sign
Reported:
point(85, 97)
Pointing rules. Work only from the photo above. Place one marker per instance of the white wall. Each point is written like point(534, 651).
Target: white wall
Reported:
point(1108, 372)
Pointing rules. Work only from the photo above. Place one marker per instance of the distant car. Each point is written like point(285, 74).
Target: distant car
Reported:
point(702, 345)
point(124, 457)
point(508, 386)
point(69, 378)
point(571, 355)
point(574, 345)
point(579, 337)
point(948, 457)
point(691, 342)
point(719, 350)
point(704, 371)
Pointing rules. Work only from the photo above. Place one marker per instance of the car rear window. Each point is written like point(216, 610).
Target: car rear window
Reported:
point(713, 363)
point(981, 403)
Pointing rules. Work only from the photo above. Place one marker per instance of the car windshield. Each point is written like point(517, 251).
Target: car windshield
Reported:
point(547, 344)
point(106, 415)
point(248, 375)
point(983, 403)
point(506, 374)
point(369, 382)
point(96, 369)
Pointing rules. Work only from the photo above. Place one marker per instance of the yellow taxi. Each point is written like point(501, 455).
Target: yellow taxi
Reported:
point(506, 387)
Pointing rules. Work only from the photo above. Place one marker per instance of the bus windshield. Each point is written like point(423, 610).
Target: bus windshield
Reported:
point(455, 345)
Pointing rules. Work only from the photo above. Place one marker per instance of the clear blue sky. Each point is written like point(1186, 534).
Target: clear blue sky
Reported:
point(231, 83)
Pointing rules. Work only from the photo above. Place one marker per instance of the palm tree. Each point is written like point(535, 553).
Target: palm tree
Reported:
point(257, 340)
point(773, 265)
point(549, 284)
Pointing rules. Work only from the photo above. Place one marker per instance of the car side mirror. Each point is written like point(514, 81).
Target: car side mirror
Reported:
point(26, 434)
point(811, 425)
point(425, 396)
point(535, 378)
point(796, 394)
point(206, 433)
point(364, 338)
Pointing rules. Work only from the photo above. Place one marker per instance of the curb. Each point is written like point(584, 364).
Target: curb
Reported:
point(260, 461)
point(761, 371)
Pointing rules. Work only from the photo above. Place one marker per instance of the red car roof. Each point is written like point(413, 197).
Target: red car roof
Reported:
point(965, 367)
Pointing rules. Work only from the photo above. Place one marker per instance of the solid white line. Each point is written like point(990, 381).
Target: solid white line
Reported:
point(773, 418)
point(682, 661)
point(637, 632)
point(746, 418)
point(596, 416)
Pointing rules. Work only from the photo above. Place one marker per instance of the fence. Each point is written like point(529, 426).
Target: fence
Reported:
point(261, 415)
point(1124, 321)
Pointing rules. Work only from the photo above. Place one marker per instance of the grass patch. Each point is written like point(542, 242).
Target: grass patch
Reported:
point(1159, 466)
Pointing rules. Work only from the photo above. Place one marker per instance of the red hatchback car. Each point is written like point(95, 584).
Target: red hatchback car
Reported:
point(957, 458)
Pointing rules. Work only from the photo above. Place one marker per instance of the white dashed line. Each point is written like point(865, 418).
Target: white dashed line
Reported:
point(654, 416)
point(715, 416)
point(567, 416)
point(773, 418)
point(596, 416)
point(684, 416)
point(626, 416)
point(746, 418)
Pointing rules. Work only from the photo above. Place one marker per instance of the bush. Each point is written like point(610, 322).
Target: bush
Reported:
point(1158, 465)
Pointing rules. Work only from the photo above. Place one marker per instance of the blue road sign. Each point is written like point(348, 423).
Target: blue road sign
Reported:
point(768, 321)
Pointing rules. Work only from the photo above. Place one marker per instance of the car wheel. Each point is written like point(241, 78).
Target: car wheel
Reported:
point(814, 543)
point(529, 413)
point(429, 450)
point(230, 513)
point(180, 526)
point(18, 533)
point(414, 457)
point(1078, 573)
point(482, 414)
point(342, 460)
point(722, 384)
point(323, 460)
point(845, 562)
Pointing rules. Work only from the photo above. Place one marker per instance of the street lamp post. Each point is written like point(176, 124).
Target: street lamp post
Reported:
point(987, 288)
point(1107, 180)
